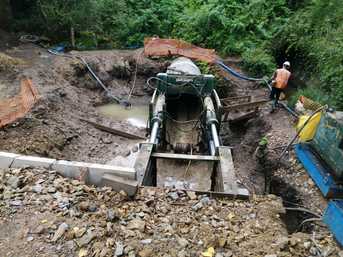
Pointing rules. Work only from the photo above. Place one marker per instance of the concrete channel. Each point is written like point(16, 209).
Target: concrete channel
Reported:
point(119, 178)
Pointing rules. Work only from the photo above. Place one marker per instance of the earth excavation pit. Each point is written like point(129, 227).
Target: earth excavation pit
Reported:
point(72, 218)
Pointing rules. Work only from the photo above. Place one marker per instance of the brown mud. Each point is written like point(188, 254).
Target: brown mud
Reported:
point(68, 93)
point(54, 129)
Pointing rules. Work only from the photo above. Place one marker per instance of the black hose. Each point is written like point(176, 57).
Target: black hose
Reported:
point(300, 130)
point(109, 94)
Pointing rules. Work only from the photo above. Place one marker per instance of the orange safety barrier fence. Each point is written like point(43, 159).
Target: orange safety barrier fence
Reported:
point(170, 47)
point(18, 106)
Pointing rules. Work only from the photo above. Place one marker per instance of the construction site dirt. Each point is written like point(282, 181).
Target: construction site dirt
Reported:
point(158, 222)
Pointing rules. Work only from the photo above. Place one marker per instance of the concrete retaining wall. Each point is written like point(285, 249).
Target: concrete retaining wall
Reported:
point(91, 173)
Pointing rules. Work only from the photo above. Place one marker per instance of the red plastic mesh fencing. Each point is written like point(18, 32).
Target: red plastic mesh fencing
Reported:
point(18, 106)
point(171, 47)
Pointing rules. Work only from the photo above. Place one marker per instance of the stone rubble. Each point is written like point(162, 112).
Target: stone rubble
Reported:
point(44, 214)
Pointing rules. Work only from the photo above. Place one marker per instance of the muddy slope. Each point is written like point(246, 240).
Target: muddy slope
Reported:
point(68, 93)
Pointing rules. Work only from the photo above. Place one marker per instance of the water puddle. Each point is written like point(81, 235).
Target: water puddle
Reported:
point(137, 115)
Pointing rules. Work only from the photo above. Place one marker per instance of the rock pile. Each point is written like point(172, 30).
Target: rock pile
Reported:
point(8, 63)
point(43, 214)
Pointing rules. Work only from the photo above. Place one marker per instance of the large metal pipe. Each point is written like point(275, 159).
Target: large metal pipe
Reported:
point(215, 135)
point(212, 148)
point(154, 132)
point(211, 121)
point(157, 118)
point(216, 97)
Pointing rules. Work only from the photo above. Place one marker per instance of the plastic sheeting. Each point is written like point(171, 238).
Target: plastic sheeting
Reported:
point(18, 106)
point(171, 47)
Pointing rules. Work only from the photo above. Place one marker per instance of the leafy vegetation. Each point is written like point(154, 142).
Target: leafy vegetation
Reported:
point(264, 32)
point(258, 61)
point(314, 39)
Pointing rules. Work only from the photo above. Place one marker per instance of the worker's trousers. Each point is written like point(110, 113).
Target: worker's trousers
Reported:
point(275, 96)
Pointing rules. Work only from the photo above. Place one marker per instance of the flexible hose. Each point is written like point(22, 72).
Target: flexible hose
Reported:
point(235, 73)
point(109, 94)
point(240, 76)
point(29, 39)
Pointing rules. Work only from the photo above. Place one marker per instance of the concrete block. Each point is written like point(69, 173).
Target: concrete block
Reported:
point(32, 161)
point(142, 164)
point(71, 169)
point(226, 170)
point(97, 171)
point(6, 159)
point(243, 193)
point(94, 172)
point(120, 184)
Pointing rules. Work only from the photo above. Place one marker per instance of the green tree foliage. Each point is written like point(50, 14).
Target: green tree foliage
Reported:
point(308, 32)
point(258, 62)
point(231, 26)
point(315, 37)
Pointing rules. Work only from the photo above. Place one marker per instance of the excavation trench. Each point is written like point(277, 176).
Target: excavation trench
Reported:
point(68, 93)
point(293, 218)
point(56, 129)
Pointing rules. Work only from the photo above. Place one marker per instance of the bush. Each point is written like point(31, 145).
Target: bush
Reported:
point(231, 27)
point(258, 62)
point(308, 32)
point(315, 93)
point(315, 37)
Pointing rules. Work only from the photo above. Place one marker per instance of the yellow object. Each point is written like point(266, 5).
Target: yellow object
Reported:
point(83, 252)
point(209, 253)
point(310, 129)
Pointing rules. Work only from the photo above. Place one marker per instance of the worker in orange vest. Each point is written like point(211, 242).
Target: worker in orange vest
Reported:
point(279, 83)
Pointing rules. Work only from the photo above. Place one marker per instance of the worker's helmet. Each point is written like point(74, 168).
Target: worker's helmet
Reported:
point(287, 64)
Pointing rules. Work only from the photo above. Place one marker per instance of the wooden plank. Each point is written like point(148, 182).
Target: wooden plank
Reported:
point(245, 105)
point(186, 157)
point(241, 117)
point(241, 194)
point(236, 100)
point(113, 130)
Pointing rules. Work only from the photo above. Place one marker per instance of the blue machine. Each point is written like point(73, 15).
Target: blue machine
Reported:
point(322, 157)
point(319, 171)
point(333, 218)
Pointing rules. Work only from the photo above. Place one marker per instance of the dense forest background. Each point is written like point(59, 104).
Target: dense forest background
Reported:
point(309, 33)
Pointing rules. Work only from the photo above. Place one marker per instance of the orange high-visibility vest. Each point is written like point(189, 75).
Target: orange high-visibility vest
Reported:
point(282, 77)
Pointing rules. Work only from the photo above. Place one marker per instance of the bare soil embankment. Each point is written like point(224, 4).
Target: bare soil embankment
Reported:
point(158, 222)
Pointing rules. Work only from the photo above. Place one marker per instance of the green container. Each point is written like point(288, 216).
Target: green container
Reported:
point(174, 85)
point(328, 142)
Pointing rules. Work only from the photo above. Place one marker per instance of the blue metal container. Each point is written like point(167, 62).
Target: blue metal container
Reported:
point(333, 218)
point(328, 143)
